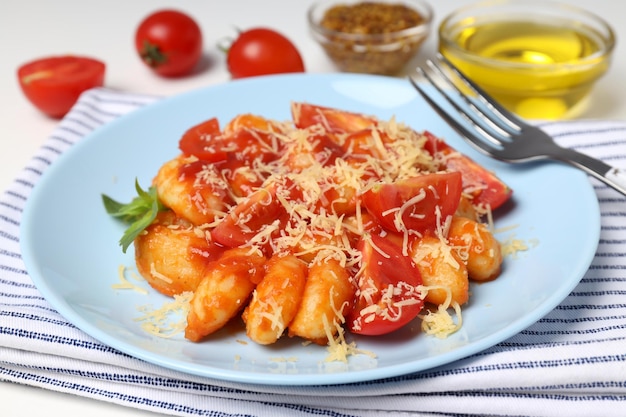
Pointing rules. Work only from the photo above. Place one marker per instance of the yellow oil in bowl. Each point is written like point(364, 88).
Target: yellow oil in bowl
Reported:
point(540, 67)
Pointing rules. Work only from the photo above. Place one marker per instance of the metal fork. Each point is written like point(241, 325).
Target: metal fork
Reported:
point(495, 131)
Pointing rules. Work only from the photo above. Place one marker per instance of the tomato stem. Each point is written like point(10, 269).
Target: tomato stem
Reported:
point(152, 55)
point(224, 44)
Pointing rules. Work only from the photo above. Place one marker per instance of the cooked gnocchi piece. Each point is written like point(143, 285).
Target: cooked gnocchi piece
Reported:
point(476, 245)
point(328, 296)
point(442, 271)
point(276, 299)
point(223, 292)
point(172, 254)
point(193, 189)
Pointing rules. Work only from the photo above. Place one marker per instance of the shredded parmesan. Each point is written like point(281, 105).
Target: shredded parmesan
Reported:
point(314, 178)
point(512, 246)
point(167, 320)
point(439, 322)
point(158, 275)
point(124, 284)
point(338, 348)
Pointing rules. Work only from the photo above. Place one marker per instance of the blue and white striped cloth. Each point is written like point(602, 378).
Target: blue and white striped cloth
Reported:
point(571, 363)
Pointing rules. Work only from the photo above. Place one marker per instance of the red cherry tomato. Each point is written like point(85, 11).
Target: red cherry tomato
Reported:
point(435, 197)
point(169, 42)
point(336, 121)
point(485, 187)
point(388, 294)
point(247, 219)
point(262, 51)
point(201, 140)
point(207, 142)
point(53, 84)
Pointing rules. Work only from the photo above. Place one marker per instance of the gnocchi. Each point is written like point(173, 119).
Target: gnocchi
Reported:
point(275, 223)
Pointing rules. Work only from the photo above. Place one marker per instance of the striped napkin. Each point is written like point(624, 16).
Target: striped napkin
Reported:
point(570, 363)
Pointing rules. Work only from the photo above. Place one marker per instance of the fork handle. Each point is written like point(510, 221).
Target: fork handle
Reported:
point(616, 178)
point(611, 176)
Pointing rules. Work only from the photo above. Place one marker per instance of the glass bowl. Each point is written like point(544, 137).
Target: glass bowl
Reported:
point(375, 37)
point(538, 58)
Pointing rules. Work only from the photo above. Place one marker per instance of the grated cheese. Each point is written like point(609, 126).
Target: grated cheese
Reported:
point(124, 284)
point(272, 312)
point(338, 348)
point(314, 185)
point(167, 320)
point(439, 322)
point(512, 246)
point(158, 275)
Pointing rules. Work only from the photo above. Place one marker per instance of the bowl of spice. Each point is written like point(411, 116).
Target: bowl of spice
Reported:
point(538, 58)
point(375, 37)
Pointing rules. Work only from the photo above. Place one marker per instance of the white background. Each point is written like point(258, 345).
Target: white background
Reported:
point(31, 29)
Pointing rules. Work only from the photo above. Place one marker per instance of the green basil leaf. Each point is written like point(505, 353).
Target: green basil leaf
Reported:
point(139, 213)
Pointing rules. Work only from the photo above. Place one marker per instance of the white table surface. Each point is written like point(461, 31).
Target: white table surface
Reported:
point(31, 29)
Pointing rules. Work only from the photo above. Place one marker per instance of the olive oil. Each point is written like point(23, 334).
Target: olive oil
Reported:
point(537, 69)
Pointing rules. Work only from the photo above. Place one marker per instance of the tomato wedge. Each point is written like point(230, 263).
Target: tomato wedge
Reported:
point(251, 121)
point(336, 121)
point(388, 296)
point(200, 141)
point(248, 218)
point(54, 84)
point(485, 187)
point(361, 143)
point(207, 142)
point(415, 203)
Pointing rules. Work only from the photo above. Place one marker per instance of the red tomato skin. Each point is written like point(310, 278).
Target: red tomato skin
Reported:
point(336, 121)
point(262, 51)
point(200, 141)
point(169, 42)
point(394, 269)
point(382, 198)
point(53, 84)
point(475, 176)
point(260, 208)
point(207, 142)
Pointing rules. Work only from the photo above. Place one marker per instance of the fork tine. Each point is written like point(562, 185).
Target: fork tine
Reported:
point(475, 117)
point(479, 116)
point(503, 114)
point(445, 115)
point(481, 145)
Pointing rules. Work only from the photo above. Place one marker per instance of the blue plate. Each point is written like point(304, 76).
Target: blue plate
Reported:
point(70, 248)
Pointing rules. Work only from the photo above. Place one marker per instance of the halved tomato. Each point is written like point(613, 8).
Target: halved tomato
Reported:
point(485, 187)
point(207, 142)
point(200, 141)
point(248, 218)
point(251, 121)
point(336, 121)
point(54, 84)
point(415, 203)
point(243, 180)
point(366, 142)
point(318, 149)
point(388, 296)
point(325, 150)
